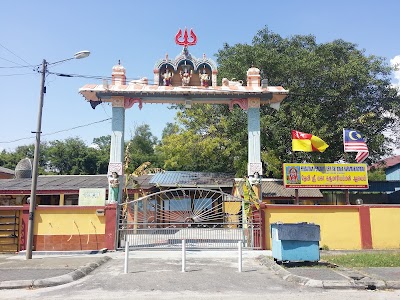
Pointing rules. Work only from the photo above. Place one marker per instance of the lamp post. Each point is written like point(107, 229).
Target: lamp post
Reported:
point(32, 203)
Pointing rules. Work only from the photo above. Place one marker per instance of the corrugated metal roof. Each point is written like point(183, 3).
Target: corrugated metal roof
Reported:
point(386, 163)
point(7, 171)
point(192, 179)
point(274, 188)
point(65, 183)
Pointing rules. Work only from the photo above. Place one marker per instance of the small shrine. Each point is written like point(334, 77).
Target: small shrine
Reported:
point(185, 80)
point(185, 69)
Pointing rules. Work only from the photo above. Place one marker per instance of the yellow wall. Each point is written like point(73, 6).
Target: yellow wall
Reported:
point(68, 221)
point(385, 224)
point(340, 227)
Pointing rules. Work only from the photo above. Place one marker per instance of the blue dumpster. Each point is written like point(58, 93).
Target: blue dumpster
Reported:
point(295, 242)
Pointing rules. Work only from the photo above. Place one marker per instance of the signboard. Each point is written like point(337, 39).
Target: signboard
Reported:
point(92, 197)
point(325, 176)
point(115, 167)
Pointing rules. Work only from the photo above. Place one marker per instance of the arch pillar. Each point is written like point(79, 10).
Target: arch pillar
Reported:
point(253, 130)
point(117, 139)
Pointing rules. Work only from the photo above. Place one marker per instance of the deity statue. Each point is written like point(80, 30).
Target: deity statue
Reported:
point(185, 76)
point(114, 187)
point(167, 77)
point(204, 78)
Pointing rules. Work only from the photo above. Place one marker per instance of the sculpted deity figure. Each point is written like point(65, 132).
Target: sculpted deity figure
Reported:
point(204, 78)
point(114, 187)
point(185, 76)
point(167, 77)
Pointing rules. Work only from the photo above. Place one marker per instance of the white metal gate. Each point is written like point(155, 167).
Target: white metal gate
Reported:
point(204, 218)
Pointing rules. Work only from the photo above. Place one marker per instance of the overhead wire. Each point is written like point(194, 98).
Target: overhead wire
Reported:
point(16, 56)
point(55, 132)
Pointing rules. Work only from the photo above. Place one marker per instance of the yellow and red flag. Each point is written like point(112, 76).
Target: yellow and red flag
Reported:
point(307, 142)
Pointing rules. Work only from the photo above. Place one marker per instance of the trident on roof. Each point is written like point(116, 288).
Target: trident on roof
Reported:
point(185, 41)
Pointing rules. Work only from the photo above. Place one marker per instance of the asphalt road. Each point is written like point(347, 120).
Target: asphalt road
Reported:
point(153, 277)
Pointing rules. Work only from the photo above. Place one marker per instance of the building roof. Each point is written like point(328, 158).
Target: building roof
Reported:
point(386, 163)
point(176, 94)
point(274, 189)
point(62, 183)
point(192, 179)
point(7, 171)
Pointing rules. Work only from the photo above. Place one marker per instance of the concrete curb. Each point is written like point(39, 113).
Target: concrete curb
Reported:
point(363, 284)
point(77, 252)
point(57, 280)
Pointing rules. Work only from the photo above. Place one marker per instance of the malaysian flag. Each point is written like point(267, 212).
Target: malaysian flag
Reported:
point(354, 142)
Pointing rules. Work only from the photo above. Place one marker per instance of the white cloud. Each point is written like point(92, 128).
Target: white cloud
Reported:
point(395, 62)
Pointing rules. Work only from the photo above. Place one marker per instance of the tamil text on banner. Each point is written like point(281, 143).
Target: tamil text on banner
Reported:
point(325, 176)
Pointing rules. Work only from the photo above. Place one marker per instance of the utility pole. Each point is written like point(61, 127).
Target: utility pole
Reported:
point(32, 203)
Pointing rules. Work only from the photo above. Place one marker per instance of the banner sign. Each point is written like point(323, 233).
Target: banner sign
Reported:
point(325, 176)
point(92, 197)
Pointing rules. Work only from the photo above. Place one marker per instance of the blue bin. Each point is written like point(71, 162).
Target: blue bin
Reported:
point(295, 242)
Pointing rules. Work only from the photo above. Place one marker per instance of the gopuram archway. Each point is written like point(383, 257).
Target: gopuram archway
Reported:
point(183, 80)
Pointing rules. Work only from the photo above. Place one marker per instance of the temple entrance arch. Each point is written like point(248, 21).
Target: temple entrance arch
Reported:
point(204, 218)
point(185, 80)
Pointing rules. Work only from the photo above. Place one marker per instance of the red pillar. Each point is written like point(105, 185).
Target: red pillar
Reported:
point(24, 227)
point(365, 227)
point(111, 223)
point(263, 229)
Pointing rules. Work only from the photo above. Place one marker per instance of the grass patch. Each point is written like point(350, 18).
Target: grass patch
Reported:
point(355, 260)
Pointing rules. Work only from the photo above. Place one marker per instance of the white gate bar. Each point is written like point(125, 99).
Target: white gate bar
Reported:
point(183, 255)
point(126, 257)
point(240, 256)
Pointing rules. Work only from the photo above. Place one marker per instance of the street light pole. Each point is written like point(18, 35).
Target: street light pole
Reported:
point(35, 173)
point(32, 202)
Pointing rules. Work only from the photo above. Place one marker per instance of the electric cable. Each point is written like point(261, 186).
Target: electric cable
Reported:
point(16, 56)
point(55, 132)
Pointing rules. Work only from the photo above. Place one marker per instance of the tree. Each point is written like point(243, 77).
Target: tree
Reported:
point(102, 150)
point(205, 140)
point(103, 142)
point(10, 159)
point(377, 174)
point(332, 86)
point(141, 147)
point(71, 157)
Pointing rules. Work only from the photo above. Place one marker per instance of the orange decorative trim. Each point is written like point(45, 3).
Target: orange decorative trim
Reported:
point(128, 102)
point(243, 103)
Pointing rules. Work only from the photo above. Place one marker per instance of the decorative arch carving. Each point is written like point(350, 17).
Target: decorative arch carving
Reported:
point(243, 103)
point(128, 102)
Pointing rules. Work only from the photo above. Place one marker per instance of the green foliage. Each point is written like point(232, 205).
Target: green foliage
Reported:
point(141, 148)
point(250, 198)
point(71, 157)
point(325, 247)
point(362, 260)
point(332, 86)
point(205, 139)
point(377, 175)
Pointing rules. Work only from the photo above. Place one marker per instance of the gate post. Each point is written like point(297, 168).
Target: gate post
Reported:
point(263, 229)
point(111, 226)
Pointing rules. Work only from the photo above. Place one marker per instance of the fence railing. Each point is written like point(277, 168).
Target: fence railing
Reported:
point(202, 236)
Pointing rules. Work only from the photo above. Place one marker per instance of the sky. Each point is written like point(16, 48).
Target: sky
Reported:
point(139, 33)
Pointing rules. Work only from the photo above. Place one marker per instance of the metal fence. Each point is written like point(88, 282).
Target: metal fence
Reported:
point(210, 236)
